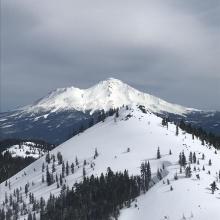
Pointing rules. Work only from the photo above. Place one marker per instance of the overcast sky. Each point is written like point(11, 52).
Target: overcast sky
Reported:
point(170, 48)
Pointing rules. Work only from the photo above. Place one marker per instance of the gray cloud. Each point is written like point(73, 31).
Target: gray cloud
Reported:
point(167, 48)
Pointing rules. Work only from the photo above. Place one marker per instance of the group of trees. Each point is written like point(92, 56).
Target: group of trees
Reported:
point(94, 198)
point(200, 133)
point(9, 165)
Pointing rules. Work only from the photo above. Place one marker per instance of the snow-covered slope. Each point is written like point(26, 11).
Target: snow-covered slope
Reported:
point(142, 133)
point(111, 93)
point(26, 149)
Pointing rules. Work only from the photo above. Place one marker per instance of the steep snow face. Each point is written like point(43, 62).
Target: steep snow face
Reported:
point(111, 93)
point(142, 133)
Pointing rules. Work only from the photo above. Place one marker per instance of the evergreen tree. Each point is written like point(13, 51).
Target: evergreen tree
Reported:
point(72, 168)
point(158, 153)
point(194, 157)
point(177, 130)
point(190, 157)
point(48, 177)
point(170, 152)
point(213, 187)
point(67, 168)
point(188, 171)
point(63, 169)
point(76, 161)
point(47, 158)
point(43, 167)
point(53, 168)
point(59, 158)
point(96, 153)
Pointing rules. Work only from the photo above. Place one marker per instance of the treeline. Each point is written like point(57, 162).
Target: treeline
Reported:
point(6, 143)
point(97, 117)
point(9, 165)
point(94, 198)
point(201, 134)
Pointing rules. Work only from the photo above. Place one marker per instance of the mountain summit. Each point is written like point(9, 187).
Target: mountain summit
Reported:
point(110, 93)
point(57, 116)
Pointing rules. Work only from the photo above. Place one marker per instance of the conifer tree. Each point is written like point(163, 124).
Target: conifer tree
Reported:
point(190, 157)
point(194, 157)
point(96, 153)
point(63, 169)
point(158, 153)
point(76, 161)
point(177, 130)
point(43, 167)
point(48, 177)
point(67, 168)
point(72, 168)
point(47, 158)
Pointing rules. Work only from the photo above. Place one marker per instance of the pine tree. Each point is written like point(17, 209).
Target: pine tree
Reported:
point(47, 158)
point(67, 168)
point(59, 158)
point(48, 177)
point(53, 168)
point(158, 153)
point(190, 157)
point(63, 169)
point(72, 168)
point(96, 153)
point(188, 171)
point(84, 163)
point(177, 130)
point(76, 161)
point(194, 157)
point(213, 187)
point(43, 167)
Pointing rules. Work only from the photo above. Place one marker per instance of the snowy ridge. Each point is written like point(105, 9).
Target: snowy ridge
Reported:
point(142, 133)
point(111, 93)
point(26, 149)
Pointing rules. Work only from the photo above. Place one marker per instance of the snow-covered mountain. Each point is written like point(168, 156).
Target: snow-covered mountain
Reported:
point(55, 117)
point(125, 142)
point(111, 93)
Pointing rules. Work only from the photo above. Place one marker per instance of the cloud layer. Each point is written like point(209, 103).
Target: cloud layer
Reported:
point(167, 48)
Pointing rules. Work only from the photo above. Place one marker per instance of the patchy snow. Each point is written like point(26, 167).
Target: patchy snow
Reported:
point(111, 93)
point(26, 149)
point(143, 134)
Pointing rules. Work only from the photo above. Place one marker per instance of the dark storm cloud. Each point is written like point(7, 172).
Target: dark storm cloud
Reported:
point(167, 48)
